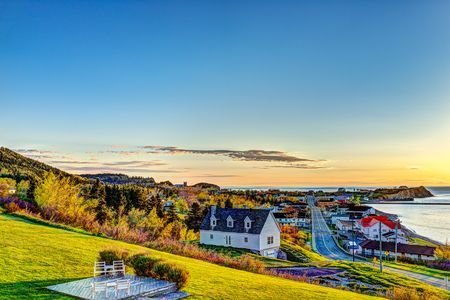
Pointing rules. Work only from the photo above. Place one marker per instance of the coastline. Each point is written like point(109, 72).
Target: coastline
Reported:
point(408, 231)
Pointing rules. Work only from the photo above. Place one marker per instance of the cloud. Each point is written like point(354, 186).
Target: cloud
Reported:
point(245, 155)
point(217, 175)
point(106, 169)
point(298, 166)
point(33, 151)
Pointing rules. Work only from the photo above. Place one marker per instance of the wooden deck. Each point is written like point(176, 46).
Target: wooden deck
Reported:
point(140, 287)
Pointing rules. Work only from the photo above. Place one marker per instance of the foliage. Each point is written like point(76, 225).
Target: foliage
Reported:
point(22, 188)
point(72, 256)
point(244, 262)
point(143, 264)
point(195, 217)
point(59, 200)
point(21, 204)
point(171, 272)
point(111, 254)
point(5, 185)
point(402, 293)
point(443, 252)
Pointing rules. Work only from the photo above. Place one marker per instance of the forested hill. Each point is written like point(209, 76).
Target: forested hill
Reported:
point(121, 179)
point(17, 165)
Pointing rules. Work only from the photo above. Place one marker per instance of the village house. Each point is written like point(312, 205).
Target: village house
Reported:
point(416, 252)
point(296, 219)
point(370, 227)
point(253, 229)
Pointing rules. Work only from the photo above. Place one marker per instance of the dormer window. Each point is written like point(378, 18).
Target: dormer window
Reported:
point(247, 223)
point(213, 221)
point(230, 222)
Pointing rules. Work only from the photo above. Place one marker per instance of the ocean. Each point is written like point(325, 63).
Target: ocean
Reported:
point(432, 221)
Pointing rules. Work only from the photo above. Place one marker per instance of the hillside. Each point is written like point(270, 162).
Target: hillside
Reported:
point(121, 179)
point(403, 193)
point(35, 256)
point(18, 165)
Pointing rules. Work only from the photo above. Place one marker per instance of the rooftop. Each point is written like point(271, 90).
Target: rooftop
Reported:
point(401, 248)
point(257, 217)
point(372, 220)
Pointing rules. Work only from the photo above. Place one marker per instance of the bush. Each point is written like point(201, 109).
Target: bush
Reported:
point(143, 264)
point(112, 254)
point(20, 204)
point(171, 272)
point(11, 207)
point(245, 262)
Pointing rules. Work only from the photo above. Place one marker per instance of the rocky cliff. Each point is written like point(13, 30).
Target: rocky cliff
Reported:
point(403, 193)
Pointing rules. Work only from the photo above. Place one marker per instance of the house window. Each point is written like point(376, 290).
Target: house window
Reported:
point(270, 240)
point(227, 240)
point(230, 224)
point(245, 239)
point(211, 236)
point(247, 225)
point(213, 222)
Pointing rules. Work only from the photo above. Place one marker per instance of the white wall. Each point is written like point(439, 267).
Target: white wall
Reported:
point(270, 229)
point(237, 239)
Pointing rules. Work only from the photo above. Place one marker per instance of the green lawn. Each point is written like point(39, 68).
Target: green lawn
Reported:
point(369, 274)
point(34, 256)
point(419, 269)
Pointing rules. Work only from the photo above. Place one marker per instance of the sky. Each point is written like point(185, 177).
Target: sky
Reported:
point(237, 93)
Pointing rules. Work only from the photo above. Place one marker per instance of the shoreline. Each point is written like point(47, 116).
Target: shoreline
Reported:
point(410, 232)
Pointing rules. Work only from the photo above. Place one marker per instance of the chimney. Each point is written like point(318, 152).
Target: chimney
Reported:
point(213, 210)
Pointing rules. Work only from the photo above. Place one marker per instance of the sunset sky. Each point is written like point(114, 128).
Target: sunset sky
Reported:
point(261, 93)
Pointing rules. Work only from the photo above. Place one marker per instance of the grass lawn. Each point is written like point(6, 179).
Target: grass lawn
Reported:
point(34, 256)
point(301, 254)
point(369, 274)
point(419, 269)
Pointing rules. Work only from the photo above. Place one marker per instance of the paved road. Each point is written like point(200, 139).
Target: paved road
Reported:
point(323, 243)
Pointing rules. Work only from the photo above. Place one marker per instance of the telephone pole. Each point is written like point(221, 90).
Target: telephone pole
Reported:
point(381, 247)
point(396, 232)
point(353, 238)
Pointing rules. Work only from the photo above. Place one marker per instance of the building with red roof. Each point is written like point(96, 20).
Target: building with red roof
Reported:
point(370, 227)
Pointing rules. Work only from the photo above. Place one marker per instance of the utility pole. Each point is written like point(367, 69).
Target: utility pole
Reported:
point(353, 238)
point(381, 247)
point(396, 233)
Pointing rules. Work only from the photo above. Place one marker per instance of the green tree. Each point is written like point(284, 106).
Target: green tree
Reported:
point(22, 188)
point(228, 203)
point(195, 217)
point(59, 199)
point(5, 185)
point(171, 215)
point(153, 224)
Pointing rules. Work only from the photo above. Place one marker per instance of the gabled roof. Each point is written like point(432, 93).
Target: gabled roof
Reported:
point(401, 248)
point(372, 220)
point(258, 218)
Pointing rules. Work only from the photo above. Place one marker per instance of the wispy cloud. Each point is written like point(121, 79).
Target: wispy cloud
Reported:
point(245, 155)
point(298, 166)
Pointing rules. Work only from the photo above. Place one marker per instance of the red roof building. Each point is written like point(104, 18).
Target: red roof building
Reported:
point(373, 220)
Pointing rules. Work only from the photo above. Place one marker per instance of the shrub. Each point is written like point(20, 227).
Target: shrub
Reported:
point(171, 272)
point(245, 262)
point(143, 264)
point(12, 207)
point(20, 204)
point(111, 254)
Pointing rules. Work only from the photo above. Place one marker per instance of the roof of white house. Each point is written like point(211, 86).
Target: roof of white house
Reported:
point(257, 217)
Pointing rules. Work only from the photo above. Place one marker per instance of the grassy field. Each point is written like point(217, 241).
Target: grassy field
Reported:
point(419, 269)
point(369, 274)
point(301, 254)
point(34, 256)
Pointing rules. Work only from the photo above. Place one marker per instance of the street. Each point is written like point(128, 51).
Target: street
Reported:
point(324, 244)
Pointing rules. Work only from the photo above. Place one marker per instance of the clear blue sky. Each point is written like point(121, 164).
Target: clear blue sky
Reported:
point(357, 85)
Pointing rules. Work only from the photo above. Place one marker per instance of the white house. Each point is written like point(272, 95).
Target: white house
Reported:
point(370, 227)
point(297, 219)
point(253, 229)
